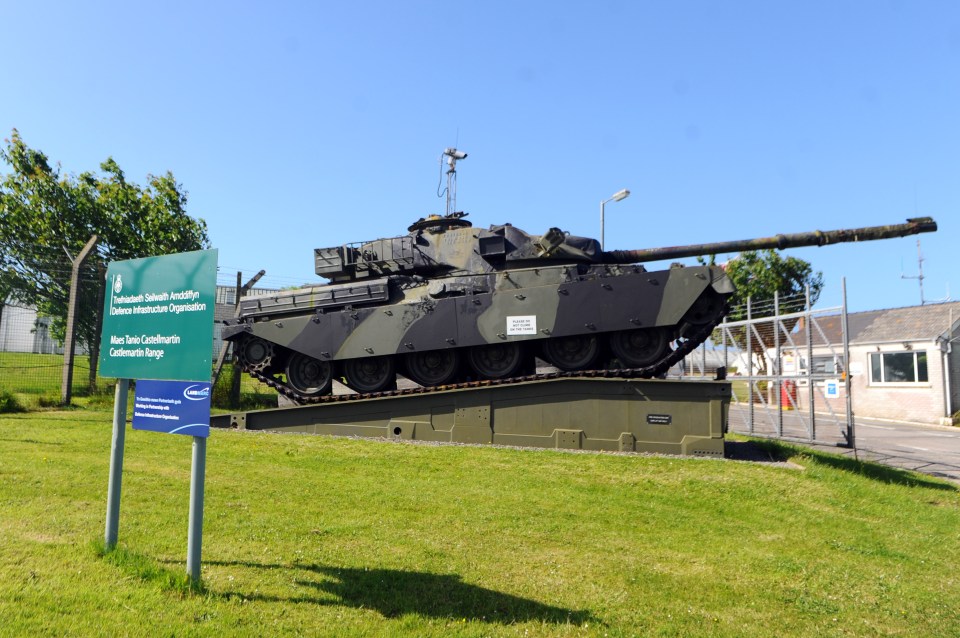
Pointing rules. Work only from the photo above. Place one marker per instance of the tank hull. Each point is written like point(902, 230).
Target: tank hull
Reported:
point(396, 318)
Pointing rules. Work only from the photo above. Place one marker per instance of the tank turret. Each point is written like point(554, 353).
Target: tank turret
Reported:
point(443, 245)
point(449, 301)
point(450, 244)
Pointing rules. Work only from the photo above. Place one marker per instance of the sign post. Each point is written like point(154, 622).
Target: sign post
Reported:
point(195, 526)
point(158, 328)
point(116, 463)
point(180, 407)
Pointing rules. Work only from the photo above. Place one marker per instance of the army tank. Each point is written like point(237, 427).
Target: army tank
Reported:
point(448, 301)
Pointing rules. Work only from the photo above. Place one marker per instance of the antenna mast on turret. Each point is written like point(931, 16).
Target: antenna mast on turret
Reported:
point(452, 156)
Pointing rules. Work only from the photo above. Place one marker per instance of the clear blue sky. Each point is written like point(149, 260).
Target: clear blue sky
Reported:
point(296, 125)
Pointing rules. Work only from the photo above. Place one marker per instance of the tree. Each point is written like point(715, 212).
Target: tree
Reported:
point(758, 275)
point(47, 217)
point(5, 285)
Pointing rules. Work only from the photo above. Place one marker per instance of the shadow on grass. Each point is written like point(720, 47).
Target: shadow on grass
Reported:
point(776, 451)
point(756, 451)
point(877, 472)
point(30, 441)
point(393, 593)
point(147, 569)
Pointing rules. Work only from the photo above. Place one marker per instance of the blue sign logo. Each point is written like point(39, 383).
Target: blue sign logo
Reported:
point(197, 392)
point(175, 407)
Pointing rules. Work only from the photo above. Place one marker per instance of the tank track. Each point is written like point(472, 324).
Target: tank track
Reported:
point(688, 345)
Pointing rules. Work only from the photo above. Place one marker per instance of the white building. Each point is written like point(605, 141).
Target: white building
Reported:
point(904, 362)
point(22, 331)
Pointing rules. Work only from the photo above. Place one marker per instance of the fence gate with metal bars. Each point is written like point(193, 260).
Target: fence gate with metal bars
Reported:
point(786, 375)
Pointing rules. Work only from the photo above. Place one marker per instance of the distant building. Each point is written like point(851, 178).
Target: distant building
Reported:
point(904, 363)
point(707, 361)
point(225, 307)
point(21, 330)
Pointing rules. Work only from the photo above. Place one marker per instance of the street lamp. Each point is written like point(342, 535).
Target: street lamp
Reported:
point(618, 196)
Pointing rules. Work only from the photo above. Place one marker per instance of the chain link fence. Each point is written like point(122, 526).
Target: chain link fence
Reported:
point(31, 340)
point(786, 373)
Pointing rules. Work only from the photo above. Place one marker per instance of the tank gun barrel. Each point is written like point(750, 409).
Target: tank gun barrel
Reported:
point(913, 226)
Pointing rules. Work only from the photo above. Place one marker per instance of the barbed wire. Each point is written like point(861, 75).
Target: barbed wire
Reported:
point(765, 307)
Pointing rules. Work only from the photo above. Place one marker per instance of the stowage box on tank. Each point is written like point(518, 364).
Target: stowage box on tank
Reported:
point(448, 301)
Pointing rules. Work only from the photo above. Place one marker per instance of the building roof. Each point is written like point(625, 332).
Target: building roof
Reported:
point(912, 323)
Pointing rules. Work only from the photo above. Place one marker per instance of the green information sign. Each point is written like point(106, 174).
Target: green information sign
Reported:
point(158, 317)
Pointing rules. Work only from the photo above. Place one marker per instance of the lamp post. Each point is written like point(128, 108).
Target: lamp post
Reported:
point(616, 197)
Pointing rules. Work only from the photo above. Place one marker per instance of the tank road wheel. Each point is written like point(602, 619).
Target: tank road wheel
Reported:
point(639, 348)
point(308, 376)
point(370, 374)
point(497, 360)
point(254, 354)
point(435, 367)
point(705, 309)
point(578, 352)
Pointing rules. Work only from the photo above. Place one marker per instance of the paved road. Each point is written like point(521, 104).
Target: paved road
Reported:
point(933, 450)
point(928, 449)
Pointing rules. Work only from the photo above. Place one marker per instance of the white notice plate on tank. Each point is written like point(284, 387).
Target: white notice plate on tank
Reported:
point(524, 325)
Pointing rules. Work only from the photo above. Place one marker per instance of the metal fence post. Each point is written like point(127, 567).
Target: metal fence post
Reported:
point(851, 434)
point(808, 320)
point(68, 345)
point(723, 339)
point(235, 381)
point(778, 357)
point(94, 350)
point(750, 365)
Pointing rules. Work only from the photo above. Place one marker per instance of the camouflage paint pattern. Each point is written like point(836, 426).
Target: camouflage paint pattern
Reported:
point(448, 286)
point(414, 321)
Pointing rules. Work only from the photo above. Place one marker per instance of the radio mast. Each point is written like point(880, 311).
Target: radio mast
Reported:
point(452, 156)
point(918, 277)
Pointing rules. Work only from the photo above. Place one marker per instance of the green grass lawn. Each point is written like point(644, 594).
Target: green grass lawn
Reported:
point(42, 374)
point(34, 381)
point(326, 536)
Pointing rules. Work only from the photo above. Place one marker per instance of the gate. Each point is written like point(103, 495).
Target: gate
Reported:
point(787, 364)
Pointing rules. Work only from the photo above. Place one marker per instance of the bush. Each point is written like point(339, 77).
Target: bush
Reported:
point(48, 401)
point(253, 394)
point(9, 403)
point(258, 400)
point(220, 394)
point(102, 399)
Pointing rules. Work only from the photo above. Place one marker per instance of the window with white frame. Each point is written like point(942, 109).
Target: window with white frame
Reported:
point(898, 367)
point(826, 364)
